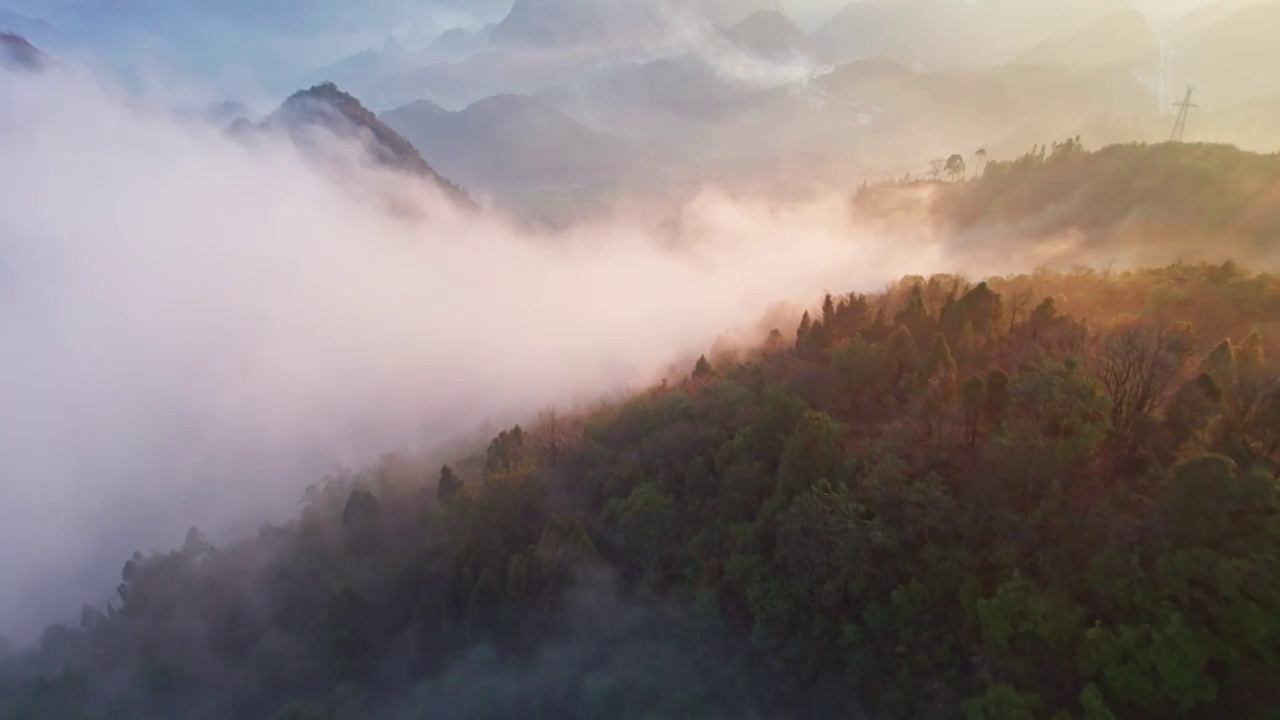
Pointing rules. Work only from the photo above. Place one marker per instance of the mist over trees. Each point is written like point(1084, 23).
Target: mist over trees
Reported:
point(1042, 495)
point(1052, 495)
point(1150, 203)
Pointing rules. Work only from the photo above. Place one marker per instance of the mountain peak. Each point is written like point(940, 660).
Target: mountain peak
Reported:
point(727, 13)
point(582, 23)
point(15, 51)
point(325, 105)
point(768, 33)
point(1123, 36)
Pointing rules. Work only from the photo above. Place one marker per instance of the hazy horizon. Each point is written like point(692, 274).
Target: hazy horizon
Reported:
point(254, 320)
point(201, 326)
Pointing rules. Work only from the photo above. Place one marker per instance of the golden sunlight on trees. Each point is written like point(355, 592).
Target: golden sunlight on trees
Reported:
point(1051, 495)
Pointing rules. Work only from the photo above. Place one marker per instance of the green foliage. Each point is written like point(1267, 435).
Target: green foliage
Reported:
point(812, 453)
point(1003, 702)
point(775, 539)
point(997, 402)
point(647, 523)
point(1203, 189)
point(939, 367)
point(506, 451)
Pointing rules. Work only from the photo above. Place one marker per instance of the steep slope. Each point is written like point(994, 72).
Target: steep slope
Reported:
point(1122, 37)
point(16, 52)
point(327, 107)
point(769, 34)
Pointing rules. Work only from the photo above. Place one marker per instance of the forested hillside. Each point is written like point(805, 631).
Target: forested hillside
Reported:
point(1039, 496)
point(1172, 199)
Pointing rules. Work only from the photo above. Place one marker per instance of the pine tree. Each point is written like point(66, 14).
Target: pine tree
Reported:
point(829, 313)
point(915, 310)
point(983, 308)
point(702, 369)
point(802, 333)
point(904, 358)
point(775, 343)
point(819, 337)
point(997, 396)
point(973, 398)
point(940, 366)
point(448, 486)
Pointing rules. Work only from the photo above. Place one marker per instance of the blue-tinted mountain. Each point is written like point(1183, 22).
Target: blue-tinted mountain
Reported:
point(727, 13)
point(328, 107)
point(770, 34)
point(563, 24)
point(16, 52)
point(518, 149)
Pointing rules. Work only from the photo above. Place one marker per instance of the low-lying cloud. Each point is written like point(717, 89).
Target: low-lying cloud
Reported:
point(195, 328)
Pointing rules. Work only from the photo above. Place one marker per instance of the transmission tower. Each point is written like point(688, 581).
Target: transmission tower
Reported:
point(1180, 124)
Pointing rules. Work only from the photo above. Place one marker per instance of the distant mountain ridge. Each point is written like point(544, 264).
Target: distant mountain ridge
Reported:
point(727, 13)
point(1235, 58)
point(33, 28)
point(1122, 37)
point(1187, 28)
point(517, 148)
point(614, 23)
point(562, 24)
point(770, 34)
point(367, 67)
point(939, 34)
point(511, 135)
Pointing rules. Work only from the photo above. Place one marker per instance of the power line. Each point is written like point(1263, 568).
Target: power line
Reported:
point(1184, 107)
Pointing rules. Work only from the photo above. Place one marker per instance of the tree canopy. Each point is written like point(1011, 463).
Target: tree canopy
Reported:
point(975, 510)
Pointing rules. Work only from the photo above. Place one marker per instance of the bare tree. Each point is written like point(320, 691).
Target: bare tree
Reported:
point(1138, 365)
point(1017, 303)
point(936, 168)
point(553, 434)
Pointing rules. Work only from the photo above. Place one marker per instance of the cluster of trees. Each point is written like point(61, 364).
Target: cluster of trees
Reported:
point(1051, 495)
point(1188, 196)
